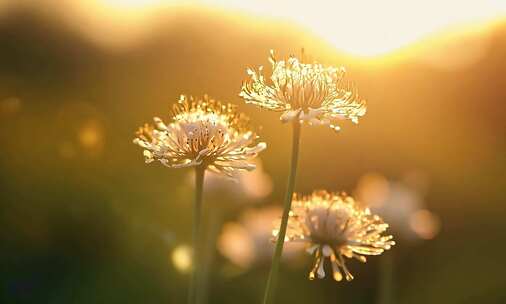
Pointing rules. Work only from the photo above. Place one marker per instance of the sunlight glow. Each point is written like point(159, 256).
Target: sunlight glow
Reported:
point(181, 258)
point(116, 24)
point(133, 4)
point(366, 28)
point(370, 28)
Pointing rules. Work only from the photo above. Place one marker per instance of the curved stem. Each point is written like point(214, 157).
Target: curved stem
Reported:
point(197, 210)
point(276, 259)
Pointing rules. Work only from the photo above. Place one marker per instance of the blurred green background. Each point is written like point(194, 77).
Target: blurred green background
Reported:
point(84, 220)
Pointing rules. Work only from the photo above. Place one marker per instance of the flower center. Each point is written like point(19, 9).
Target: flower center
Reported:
point(201, 131)
point(303, 85)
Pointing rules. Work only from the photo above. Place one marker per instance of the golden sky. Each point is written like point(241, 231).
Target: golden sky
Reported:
point(359, 27)
point(365, 28)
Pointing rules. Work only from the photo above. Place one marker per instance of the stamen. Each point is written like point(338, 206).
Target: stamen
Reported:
point(335, 268)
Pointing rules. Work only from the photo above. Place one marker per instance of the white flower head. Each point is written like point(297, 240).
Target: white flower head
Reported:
point(202, 132)
point(311, 93)
point(334, 227)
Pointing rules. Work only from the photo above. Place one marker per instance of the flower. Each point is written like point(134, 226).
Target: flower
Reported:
point(306, 92)
point(401, 203)
point(203, 132)
point(425, 224)
point(246, 242)
point(334, 227)
point(244, 187)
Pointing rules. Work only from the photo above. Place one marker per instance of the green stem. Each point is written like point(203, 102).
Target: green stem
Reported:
point(209, 251)
point(386, 279)
point(197, 210)
point(276, 259)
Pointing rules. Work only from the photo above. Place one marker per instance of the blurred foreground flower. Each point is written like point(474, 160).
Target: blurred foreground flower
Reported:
point(247, 241)
point(244, 187)
point(401, 203)
point(334, 227)
point(204, 133)
point(307, 92)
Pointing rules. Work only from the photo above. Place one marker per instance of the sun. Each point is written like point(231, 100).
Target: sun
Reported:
point(361, 28)
point(369, 27)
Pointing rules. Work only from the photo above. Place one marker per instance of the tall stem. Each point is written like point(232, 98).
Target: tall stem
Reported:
point(386, 279)
point(273, 274)
point(197, 210)
point(209, 251)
